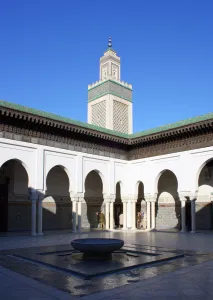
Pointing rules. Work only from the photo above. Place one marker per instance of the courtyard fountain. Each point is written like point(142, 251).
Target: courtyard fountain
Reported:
point(97, 248)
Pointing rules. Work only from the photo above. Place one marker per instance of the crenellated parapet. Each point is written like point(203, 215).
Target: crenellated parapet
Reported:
point(120, 82)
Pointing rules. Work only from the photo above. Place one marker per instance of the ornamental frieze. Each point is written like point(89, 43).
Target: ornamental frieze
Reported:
point(36, 137)
point(105, 145)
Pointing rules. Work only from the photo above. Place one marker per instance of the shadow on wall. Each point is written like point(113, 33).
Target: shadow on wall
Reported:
point(94, 200)
point(204, 205)
point(168, 205)
point(15, 204)
point(57, 204)
point(15, 201)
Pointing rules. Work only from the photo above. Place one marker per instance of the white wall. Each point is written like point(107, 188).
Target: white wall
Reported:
point(185, 165)
point(38, 160)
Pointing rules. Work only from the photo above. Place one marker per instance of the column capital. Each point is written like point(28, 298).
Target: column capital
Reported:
point(151, 197)
point(124, 199)
point(109, 197)
point(79, 197)
point(184, 195)
point(33, 194)
point(41, 195)
point(193, 196)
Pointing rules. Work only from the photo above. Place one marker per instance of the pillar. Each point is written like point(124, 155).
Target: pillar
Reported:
point(183, 215)
point(153, 214)
point(79, 215)
point(107, 215)
point(133, 203)
point(148, 218)
point(111, 215)
point(124, 215)
point(33, 198)
point(41, 195)
point(193, 216)
point(74, 211)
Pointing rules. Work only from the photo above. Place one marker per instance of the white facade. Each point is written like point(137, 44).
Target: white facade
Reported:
point(39, 161)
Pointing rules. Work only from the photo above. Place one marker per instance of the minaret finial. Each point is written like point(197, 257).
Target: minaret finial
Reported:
point(110, 43)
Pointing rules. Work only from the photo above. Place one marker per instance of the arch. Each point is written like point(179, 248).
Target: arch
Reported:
point(64, 169)
point(57, 205)
point(200, 170)
point(101, 176)
point(168, 202)
point(14, 181)
point(118, 204)
point(140, 204)
point(139, 190)
point(119, 188)
point(159, 176)
point(22, 163)
point(93, 195)
point(204, 218)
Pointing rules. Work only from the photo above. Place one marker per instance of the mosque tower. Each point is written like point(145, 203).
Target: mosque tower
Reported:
point(110, 99)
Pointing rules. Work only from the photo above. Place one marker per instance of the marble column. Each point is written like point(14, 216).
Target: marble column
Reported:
point(124, 215)
point(193, 216)
point(79, 215)
point(33, 198)
point(107, 215)
point(74, 212)
point(133, 215)
point(183, 215)
point(111, 215)
point(148, 218)
point(153, 214)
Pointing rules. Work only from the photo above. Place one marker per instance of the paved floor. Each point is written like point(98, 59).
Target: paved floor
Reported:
point(191, 283)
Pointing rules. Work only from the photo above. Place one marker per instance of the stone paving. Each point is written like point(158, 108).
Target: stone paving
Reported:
point(194, 282)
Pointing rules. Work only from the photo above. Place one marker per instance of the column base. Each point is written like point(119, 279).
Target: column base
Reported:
point(183, 231)
point(74, 231)
point(40, 234)
point(152, 229)
point(33, 234)
point(192, 231)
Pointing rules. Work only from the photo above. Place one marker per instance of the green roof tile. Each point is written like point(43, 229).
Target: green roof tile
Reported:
point(55, 117)
point(51, 116)
point(173, 125)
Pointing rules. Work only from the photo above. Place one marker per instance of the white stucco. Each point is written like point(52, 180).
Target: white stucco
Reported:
point(39, 161)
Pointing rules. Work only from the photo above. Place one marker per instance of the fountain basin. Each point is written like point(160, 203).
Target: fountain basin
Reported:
point(97, 246)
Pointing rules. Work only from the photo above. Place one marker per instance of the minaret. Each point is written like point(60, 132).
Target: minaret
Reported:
point(110, 99)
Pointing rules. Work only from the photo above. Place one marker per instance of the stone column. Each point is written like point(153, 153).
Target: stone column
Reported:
point(124, 215)
point(153, 214)
point(133, 203)
point(79, 215)
point(193, 216)
point(148, 217)
point(107, 214)
point(40, 212)
point(183, 214)
point(74, 212)
point(111, 215)
point(33, 198)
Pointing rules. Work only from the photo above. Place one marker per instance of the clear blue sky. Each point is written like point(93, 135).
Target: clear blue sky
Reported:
point(50, 52)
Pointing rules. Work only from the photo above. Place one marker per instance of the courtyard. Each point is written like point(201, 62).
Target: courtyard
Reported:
point(187, 275)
